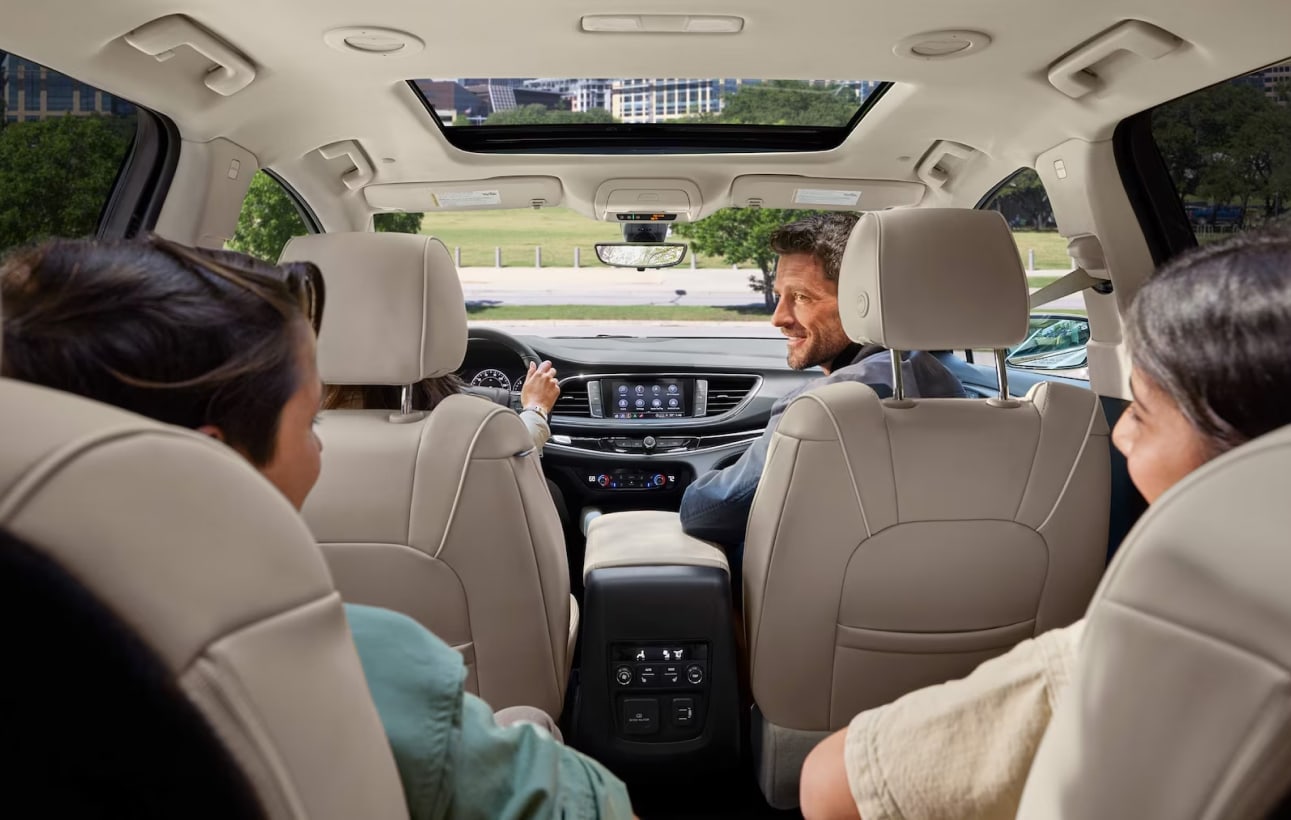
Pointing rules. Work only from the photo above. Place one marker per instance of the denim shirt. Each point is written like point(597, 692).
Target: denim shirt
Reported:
point(453, 759)
point(716, 506)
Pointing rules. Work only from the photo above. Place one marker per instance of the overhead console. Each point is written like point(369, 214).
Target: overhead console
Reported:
point(619, 200)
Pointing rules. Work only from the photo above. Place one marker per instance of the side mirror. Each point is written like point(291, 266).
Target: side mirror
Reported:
point(641, 256)
point(1055, 341)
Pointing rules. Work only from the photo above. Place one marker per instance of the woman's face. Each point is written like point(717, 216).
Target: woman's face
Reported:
point(297, 452)
point(1158, 443)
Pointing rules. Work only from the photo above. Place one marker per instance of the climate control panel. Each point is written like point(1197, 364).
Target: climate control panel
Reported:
point(660, 689)
point(630, 479)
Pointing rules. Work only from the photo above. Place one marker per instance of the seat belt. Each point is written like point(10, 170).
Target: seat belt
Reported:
point(1074, 281)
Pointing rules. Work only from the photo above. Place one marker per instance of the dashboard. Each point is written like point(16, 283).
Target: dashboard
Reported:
point(639, 418)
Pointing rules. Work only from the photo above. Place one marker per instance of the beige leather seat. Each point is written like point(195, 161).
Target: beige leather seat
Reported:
point(444, 516)
point(896, 543)
point(1180, 704)
point(207, 564)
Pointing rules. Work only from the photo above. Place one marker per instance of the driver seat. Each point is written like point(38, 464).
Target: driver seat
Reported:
point(443, 516)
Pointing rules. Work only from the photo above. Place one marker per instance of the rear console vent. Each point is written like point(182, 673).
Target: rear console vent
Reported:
point(573, 401)
point(725, 393)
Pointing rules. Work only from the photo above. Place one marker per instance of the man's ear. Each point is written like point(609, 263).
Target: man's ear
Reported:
point(212, 431)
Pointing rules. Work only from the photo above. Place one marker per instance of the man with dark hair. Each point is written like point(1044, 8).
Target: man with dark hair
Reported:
point(716, 506)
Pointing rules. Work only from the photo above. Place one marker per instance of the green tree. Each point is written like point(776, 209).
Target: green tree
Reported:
point(1228, 145)
point(787, 102)
point(742, 235)
point(1023, 200)
point(56, 175)
point(541, 115)
point(397, 222)
point(268, 219)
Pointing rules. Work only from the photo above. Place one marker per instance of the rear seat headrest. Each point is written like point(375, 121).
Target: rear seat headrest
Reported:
point(395, 313)
point(933, 279)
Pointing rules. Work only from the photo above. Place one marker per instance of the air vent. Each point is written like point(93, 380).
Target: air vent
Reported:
point(726, 392)
point(572, 401)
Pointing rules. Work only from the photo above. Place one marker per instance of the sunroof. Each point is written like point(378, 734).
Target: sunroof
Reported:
point(598, 115)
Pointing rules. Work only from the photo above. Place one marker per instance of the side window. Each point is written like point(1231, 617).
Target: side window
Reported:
point(269, 218)
point(62, 146)
point(1228, 151)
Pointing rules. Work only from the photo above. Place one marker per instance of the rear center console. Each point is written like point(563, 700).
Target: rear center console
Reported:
point(659, 696)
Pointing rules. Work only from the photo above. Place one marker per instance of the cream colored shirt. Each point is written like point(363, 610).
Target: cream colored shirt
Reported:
point(961, 749)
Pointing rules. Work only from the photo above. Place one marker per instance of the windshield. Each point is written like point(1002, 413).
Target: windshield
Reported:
point(535, 272)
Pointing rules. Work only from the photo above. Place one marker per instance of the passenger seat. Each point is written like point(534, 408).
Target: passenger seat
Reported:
point(897, 543)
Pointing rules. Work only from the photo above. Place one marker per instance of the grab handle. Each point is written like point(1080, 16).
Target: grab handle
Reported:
point(1074, 74)
point(160, 38)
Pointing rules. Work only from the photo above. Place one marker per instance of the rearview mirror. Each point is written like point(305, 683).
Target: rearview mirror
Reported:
point(641, 256)
point(1055, 341)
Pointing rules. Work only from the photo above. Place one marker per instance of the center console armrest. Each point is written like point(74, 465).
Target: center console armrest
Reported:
point(646, 538)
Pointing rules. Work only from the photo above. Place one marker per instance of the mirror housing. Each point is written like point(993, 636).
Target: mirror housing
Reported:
point(641, 255)
point(1055, 341)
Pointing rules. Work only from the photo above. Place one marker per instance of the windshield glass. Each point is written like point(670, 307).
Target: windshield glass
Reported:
point(536, 272)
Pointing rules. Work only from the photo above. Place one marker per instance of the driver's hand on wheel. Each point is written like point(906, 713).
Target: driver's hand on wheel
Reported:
point(540, 387)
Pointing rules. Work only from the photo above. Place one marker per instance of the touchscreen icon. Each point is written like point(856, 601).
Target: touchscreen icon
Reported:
point(656, 389)
point(640, 388)
point(623, 404)
point(623, 389)
point(672, 389)
point(673, 404)
point(656, 403)
point(640, 403)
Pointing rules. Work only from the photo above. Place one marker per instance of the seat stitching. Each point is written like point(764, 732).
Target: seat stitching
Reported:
point(461, 478)
point(542, 588)
point(1080, 455)
point(842, 443)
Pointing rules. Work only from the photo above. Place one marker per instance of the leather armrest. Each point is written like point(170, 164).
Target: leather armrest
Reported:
point(643, 538)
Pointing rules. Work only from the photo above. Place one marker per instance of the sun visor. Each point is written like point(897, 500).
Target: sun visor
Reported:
point(468, 195)
point(815, 193)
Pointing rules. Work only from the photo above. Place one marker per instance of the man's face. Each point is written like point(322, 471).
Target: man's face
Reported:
point(807, 313)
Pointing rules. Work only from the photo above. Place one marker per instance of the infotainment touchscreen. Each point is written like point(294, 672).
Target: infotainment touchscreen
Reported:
point(649, 398)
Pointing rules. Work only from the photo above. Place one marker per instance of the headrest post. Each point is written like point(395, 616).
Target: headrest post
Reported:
point(405, 400)
point(1002, 373)
point(898, 378)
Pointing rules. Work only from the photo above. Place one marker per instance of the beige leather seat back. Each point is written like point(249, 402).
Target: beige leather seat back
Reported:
point(1180, 704)
point(895, 544)
point(214, 571)
point(443, 516)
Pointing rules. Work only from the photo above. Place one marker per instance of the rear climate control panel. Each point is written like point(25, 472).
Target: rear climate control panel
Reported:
point(659, 689)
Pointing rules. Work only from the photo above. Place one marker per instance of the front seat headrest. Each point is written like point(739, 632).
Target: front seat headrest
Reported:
point(395, 312)
point(933, 279)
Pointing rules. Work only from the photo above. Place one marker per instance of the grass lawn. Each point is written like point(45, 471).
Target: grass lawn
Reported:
point(558, 231)
point(614, 313)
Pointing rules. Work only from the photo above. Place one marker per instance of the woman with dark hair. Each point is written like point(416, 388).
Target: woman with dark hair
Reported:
point(1210, 346)
point(224, 344)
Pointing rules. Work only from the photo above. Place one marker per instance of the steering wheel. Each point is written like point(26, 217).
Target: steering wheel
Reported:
point(526, 353)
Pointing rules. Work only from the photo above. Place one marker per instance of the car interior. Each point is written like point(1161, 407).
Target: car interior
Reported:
point(895, 542)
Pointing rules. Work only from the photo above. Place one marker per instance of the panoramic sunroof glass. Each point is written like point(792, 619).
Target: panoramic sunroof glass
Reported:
point(597, 114)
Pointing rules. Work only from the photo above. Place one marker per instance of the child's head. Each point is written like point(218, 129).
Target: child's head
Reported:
point(1210, 343)
point(214, 341)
